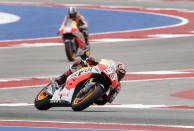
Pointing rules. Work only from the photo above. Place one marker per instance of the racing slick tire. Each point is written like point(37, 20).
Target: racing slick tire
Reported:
point(81, 103)
point(42, 100)
point(70, 53)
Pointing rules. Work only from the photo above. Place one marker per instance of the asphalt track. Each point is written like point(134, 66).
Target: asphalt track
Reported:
point(144, 55)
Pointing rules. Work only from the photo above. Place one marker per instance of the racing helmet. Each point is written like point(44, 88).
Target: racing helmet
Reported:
point(121, 70)
point(72, 12)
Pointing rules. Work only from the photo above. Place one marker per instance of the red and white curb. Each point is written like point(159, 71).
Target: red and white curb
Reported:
point(141, 106)
point(129, 77)
point(158, 75)
point(123, 106)
point(93, 125)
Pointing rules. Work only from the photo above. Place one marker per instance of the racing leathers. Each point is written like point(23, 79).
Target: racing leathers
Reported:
point(81, 24)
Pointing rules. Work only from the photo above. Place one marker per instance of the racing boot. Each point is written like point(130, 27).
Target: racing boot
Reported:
point(87, 45)
point(80, 51)
point(62, 79)
point(53, 87)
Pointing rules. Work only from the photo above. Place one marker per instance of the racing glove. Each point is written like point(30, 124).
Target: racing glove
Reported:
point(78, 65)
point(91, 61)
point(54, 84)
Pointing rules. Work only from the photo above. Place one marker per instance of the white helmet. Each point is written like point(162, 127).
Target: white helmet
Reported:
point(72, 12)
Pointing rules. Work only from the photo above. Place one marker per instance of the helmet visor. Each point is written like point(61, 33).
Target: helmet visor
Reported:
point(72, 15)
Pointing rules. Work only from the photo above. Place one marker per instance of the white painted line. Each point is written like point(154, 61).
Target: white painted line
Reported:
point(15, 104)
point(159, 72)
point(28, 78)
point(6, 18)
point(112, 40)
point(140, 106)
point(143, 72)
point(43, 38)
point(171, 35)
point(78, 122)
point(186, 71)
point(97, 106)
point(23, 87)
point(129, 106)
point(184, 21)
point(162, 79)
point(39, 44)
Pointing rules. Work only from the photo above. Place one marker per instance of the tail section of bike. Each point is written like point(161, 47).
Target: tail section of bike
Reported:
point(74, 41)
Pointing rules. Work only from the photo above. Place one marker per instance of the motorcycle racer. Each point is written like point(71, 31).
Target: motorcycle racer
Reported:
point(73, 14)
point(120, 70)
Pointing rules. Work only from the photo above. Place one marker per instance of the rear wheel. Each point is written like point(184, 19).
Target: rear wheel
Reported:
point(70, 52)
point(82, 101)
point(42, 100)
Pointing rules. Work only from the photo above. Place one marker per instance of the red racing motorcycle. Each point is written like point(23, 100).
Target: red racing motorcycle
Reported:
point(82, 88)
point(74, 41)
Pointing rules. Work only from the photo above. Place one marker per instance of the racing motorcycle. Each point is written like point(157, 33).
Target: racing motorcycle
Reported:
point(74, 41)
point(83, 88)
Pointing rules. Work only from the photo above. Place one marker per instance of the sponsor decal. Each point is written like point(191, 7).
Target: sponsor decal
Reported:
point(80, 72)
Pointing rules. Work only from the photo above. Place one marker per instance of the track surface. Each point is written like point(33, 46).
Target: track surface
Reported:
point(144, 55)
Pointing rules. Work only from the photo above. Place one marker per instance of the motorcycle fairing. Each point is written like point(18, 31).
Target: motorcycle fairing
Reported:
point(77, 77)
point(72, 81)
point(80, 39)
point(108, 68)
point(85, 73)
point(71, 28)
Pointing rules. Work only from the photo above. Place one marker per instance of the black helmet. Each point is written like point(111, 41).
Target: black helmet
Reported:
point(72, 12)
point(121, 70)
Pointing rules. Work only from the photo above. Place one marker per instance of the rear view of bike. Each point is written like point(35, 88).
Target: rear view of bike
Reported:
point(71, 46)
point(74, 41)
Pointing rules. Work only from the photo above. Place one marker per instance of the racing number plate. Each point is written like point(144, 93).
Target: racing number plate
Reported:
point(110, 73)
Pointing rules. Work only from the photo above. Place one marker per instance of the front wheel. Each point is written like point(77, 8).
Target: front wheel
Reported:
point(81, 102)
point(70, 51)
point(42, 100)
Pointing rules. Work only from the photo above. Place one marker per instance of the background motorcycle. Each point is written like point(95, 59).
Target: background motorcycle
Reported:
point(73, 40)
point(83, 88)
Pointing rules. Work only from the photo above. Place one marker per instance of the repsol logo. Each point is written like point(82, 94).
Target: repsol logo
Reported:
point(86, 70)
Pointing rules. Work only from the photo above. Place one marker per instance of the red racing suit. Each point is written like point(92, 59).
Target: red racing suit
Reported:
point(81, 24)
